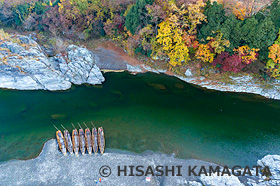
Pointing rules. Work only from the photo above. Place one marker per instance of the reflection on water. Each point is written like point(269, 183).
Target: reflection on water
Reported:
point(146, 112)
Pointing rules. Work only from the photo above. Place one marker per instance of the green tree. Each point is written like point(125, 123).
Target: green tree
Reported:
point(137, 16)
point(215, 17)
point(252, 32)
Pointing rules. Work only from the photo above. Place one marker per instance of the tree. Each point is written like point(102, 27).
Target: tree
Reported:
point(203, 53)
point(274, 12)
point(215, 17)
point(218, 43)
point(169, 42)
point(272, 64)
point(252, 32)
point(242, 57)
point(137, 16)
point(188, 17)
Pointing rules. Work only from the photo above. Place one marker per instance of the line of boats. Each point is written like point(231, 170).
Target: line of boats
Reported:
point(84, 140)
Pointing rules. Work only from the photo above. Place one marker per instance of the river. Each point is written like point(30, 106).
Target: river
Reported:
point(146, 112)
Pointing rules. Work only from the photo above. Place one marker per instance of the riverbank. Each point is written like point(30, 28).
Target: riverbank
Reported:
point(25, 66)
point(52, 168)
point(113, 58)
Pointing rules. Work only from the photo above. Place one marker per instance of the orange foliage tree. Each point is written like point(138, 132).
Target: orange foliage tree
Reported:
point(204, 54)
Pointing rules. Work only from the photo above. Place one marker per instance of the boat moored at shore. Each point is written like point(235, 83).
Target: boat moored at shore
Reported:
point(101, 140)
point(75, 140)
point(61, 141)
point(88, 139)
point(94, 139)
point(82, 140)
point(67, 137)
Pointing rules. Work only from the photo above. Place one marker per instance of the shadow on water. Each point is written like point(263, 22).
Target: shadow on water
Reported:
point(146, 112)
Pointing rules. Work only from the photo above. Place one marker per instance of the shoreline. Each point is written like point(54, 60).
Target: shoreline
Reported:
point(52, 167)
point(29, 68)
point(112, 58)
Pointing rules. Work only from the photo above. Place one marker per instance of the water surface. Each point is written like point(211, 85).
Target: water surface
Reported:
point(146, 112)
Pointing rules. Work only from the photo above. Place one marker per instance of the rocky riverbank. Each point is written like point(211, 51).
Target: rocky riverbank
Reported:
point(24, 66)
point(52, 168)
point(116, 60)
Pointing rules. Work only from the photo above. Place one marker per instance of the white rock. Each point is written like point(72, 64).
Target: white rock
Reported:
point(224, 180)
point(131, 68)
point(188, 72)
point(30, 69)
point(273, 162)
point(79, 66)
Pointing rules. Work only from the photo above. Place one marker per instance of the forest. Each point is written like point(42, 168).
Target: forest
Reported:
point(232, 36)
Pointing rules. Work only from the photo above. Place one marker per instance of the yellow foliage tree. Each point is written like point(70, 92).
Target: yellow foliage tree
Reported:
point(204, 54)
point(188, 17)
point(169, 42)
point(239, 10)
point(273, 64)
point(218, 43)
point(274, 53)
point(247, 54)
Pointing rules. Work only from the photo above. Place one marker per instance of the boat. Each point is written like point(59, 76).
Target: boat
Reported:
point(82, 140)
point(61, 141)
point(94, 139)
point(67, 137)
point(88, 139)
point(101, 140)
point(75, 140)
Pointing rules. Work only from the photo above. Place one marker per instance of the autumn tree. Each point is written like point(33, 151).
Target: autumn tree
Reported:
point(204, 54)
point(242, 57)
point(273, 64)
point(169, 42)
point(187, 17)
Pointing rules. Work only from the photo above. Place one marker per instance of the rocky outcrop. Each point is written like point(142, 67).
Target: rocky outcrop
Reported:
point(24, 66)
point(245, 84)
point(78, 66)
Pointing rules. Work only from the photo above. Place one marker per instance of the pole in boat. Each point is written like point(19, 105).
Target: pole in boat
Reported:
point(55, 127)
point(73, 125)
point(63, 127)
point(80, 125)
point(85, 124)
point(92, 124)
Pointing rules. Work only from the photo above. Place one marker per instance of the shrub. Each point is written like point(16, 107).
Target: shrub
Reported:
point(237, 62)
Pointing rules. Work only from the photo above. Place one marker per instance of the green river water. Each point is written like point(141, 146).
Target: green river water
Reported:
point(146, 112)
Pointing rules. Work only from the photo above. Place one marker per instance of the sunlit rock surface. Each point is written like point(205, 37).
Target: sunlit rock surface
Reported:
point(245, 84)
point(24, 66)
point(78, 65)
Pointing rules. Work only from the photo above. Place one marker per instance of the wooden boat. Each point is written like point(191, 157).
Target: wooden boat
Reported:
point(75, 140)
point(67, 137)
point(94, 139)
point(61, 141)
point(88, 139)
point(101, 140)
point(82, 140)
